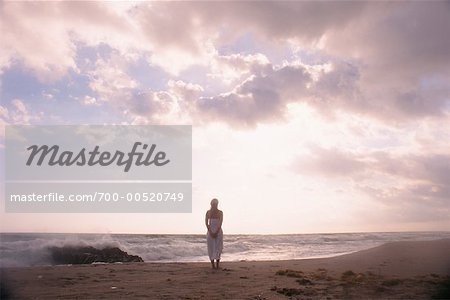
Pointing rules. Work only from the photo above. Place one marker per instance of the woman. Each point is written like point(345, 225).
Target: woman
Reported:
point(214, 236)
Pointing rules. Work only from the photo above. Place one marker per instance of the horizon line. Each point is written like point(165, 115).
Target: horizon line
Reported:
point(304, 233)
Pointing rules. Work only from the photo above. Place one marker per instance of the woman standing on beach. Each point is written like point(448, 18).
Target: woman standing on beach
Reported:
point(214, 236)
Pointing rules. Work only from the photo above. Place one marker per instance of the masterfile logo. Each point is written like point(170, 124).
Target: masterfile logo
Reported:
point(98, 168)
point(99, 152)
point(93, 157)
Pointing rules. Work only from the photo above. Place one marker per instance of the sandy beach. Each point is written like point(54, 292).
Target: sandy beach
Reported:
point(397, 270)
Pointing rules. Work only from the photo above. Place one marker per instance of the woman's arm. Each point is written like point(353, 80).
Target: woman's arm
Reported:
point(220, 222)
point(207, 220)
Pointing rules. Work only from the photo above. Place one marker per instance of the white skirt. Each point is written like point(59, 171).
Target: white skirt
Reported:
point(215, 245)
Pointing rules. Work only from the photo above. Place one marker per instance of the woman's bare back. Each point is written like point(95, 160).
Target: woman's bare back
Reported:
point(214, 214)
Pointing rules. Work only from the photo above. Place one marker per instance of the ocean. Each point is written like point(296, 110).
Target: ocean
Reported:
point(31, 249)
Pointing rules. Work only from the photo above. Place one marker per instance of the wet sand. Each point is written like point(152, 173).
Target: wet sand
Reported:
point(398, 270)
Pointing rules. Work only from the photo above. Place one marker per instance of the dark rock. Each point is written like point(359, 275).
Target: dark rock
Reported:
point(87, 255)
point(4, 291)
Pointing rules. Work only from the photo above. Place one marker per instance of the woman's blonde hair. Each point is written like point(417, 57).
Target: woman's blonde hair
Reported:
point(214, 202)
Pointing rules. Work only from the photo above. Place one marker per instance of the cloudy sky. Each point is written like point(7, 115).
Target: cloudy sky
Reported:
point(307, 117)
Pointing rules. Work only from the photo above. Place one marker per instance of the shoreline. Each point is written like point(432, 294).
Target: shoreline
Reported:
point(412, 269)
point(156, 248)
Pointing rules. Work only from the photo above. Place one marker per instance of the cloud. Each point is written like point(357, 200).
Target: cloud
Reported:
point(110, 81)
point(234, 67)
point(43, 36)
point(380, 65)
point(186, 91)
point(307, 21)
point(400, 41)
point(388, 61)
point(432, 168)
point(406, 38)
point(258, 99)
point(329, 87)
point(88, 100)
point(18, 114)
point(402, 182)
point(154, 107)
point(413, 203)
point(330, 162)
point(114, 87)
